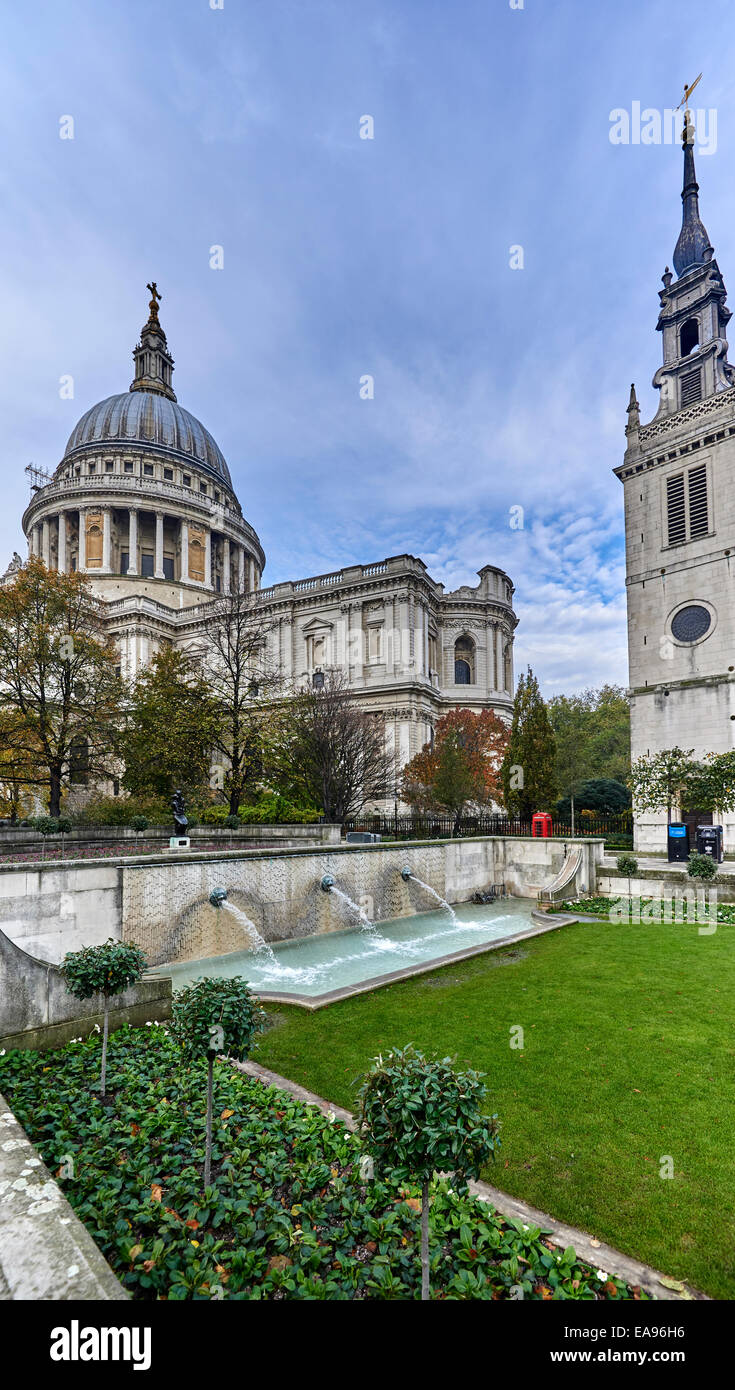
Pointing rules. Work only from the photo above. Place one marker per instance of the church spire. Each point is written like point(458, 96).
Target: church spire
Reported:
point(153, 362)
point(693, 247)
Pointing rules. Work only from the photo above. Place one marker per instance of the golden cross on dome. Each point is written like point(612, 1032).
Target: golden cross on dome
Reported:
point(155, 299)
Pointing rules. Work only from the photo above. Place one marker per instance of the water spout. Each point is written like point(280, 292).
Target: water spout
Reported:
point(218, 896)
point(327, 883)
point(406, 873)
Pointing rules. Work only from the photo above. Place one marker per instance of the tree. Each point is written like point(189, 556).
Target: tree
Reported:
point(528, 772)
point(462, 766)
point(332, 752)
point(20, 770)
point(242, 684)
point(600, 794)
point(108, 970)
point(592, 732)
point(172, 725)
point(61, 696)
point(710, 784)
point(418, 1116)
point(658, 780)
point(627, 864)
point(212, 1016)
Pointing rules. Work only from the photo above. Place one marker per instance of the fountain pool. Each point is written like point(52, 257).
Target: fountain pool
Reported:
point(317, 969)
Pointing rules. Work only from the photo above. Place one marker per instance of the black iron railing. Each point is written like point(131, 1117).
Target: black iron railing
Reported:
point(445, 827)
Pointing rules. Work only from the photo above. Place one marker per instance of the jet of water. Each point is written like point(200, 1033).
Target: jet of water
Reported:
point(365, 923)
point(259, 944)
point(442, 901)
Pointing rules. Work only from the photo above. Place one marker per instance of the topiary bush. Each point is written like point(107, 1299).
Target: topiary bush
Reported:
point(702, 866)
point(212, 1016)
point(139, 823)
point(418, 1116)
point(108, 970)
point(627, 864)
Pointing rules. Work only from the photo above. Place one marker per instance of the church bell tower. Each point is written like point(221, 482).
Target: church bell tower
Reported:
point(678, 476)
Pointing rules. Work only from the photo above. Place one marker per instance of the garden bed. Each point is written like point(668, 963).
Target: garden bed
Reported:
point(288, 1215)
point(650, 908)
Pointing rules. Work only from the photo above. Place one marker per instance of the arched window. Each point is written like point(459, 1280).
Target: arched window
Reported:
point(464, 661)
point(689, 337)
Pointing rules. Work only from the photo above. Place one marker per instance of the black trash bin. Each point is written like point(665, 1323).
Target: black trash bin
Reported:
point(709, 841)
point(678, 843)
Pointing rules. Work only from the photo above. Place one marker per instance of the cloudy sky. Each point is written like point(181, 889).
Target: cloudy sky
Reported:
point(494, 388)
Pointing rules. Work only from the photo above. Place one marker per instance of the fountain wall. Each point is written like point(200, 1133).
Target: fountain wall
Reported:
point(162, 902)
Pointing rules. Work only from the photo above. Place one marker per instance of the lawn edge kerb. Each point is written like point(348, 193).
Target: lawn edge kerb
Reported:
point(587, 1249)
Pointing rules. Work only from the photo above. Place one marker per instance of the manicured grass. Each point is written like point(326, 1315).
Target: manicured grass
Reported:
point(629, 1056)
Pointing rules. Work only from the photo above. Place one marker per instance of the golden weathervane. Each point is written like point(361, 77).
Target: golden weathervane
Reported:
point(685, 99)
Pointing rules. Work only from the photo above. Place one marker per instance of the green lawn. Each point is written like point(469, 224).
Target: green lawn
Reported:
point(629, 1056)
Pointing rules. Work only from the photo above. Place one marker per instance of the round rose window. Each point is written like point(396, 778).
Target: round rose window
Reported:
point(689, 624)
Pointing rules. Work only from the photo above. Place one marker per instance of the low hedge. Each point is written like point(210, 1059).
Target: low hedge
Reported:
point(288, 1215)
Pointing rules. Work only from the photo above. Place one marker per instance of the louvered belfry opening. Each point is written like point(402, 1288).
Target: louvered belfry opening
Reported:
point(676, 510)
point(691, 388)
point(686, 522)
point(698, 511)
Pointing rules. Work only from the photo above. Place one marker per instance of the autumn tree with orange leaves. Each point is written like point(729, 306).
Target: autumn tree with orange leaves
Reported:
point(462, 766)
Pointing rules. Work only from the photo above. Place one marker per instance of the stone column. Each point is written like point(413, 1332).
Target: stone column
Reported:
point(62, 543)
point(132, 540)
point(185, 552)
point(226, 565)
point(106, 540)
point(356, 639)
point(82, 556)
point(46, 543)
point(241, 568)
point(207, 558)
point(500, 662)
point(251, 574)
point(418, 622)
point(158, 568)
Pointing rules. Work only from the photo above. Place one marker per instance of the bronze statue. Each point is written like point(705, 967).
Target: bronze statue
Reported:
point(181, 821)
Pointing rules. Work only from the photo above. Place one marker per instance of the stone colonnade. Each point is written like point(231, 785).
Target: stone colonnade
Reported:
point(94, 547)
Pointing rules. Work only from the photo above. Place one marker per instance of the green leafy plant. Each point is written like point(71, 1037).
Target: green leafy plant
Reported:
point(139, 823)
point(702, 866)
point(627, 864)
point(108, 970)
point(213, 1016)
point(417, 1116)
point(291, 1217)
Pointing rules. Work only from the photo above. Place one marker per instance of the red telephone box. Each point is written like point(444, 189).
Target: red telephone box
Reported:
point(541, 825)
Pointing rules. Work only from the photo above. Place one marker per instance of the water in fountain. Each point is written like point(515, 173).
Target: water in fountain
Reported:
point(447, 906)
point(365, 923)
point(259, 944)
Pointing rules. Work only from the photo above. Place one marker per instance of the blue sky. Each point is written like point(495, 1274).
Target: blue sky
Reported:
point(494, 388)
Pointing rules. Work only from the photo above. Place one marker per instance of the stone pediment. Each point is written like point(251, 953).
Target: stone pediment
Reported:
point(317, 625)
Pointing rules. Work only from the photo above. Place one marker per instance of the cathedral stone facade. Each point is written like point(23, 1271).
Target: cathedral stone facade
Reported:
point(678, 476)
point(143, 504)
